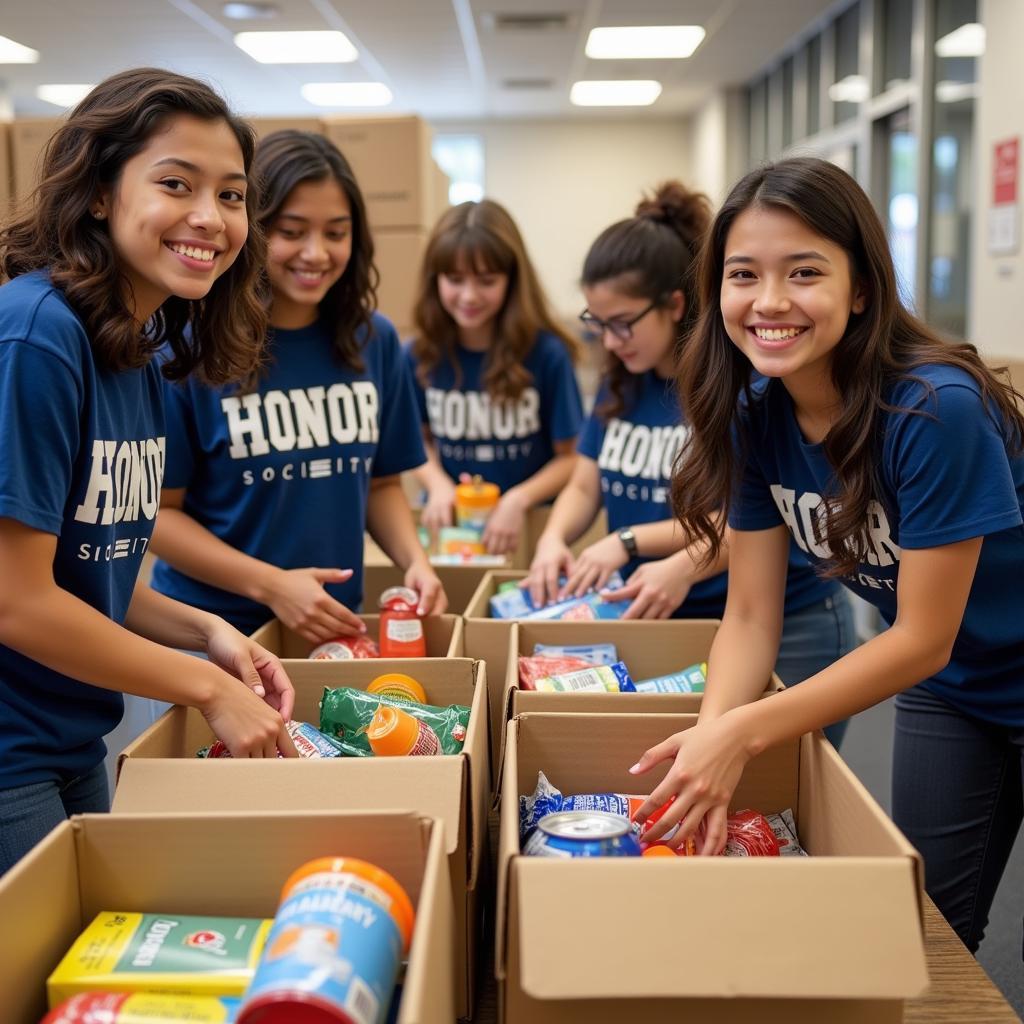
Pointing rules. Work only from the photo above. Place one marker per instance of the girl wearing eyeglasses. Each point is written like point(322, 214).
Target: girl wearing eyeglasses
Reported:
point(497, 393)
point(638, 286)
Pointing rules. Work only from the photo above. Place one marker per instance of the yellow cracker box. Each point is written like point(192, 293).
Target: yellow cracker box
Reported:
point(175, 954)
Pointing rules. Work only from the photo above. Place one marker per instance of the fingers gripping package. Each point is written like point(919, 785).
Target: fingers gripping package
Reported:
point(172, 954)
point(515, 603)
point(347, 715)
point(309, 742)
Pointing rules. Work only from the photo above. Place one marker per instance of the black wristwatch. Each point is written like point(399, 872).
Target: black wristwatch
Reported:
point(628, 539)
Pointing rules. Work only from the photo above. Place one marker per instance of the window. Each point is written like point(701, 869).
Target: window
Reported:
point(898, 27)
point(900, 214)
point(814, 85)
point(461, 157)
point(849, 88)
point(787, 103)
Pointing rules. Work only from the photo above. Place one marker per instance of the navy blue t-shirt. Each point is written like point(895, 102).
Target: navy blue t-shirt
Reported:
point(82, 458)
point(945, 475)
point(505, 442)
point(283, 473)
point(635, 451)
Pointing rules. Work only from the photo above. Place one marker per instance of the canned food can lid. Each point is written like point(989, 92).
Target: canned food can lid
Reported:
point(584, 825)
point(404, 594)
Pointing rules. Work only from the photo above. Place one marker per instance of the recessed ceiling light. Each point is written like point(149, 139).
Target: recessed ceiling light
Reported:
point(851, 89)
point(250, 12)
point(297, 47)
point(14, 53)
point(637, 92)
point(966, 41)
point(347, 94)
point(644, 42)
point(64, 94)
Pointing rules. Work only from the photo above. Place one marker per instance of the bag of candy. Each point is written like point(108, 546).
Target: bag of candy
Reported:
point(532, 669)
point(346, 714)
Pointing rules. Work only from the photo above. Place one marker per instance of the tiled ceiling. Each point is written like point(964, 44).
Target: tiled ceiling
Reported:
point(441, 58)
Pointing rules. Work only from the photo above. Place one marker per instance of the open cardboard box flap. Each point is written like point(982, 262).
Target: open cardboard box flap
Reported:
point(716, 927)
point(696, 927)
point(159, 770)
point(203, 864)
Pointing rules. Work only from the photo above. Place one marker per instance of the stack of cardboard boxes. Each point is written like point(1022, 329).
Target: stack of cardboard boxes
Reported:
point(405, 190)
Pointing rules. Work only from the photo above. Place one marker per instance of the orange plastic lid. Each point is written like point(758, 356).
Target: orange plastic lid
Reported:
point(392, 732)
point(658, 851)
point(398, 684)
point(399, 904)
point(478, 494)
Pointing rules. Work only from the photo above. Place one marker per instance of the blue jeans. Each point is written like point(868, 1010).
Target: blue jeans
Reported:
point(29, 813)
point(956, 795)
point(813, 638)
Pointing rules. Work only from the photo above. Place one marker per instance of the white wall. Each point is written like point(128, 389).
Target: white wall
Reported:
point(718, 133)
point(565, 181)
point(997, 282)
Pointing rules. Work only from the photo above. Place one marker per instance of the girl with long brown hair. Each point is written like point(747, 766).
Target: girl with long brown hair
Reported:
point(138, 230)
point(638, 282)
point(270, 487)
point(893, 459)
point(494, 372)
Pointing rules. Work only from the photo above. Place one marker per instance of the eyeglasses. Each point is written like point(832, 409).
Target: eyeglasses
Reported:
point(622, 329)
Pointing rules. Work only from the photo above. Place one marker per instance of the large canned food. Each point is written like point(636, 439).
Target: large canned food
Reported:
point(582, 834)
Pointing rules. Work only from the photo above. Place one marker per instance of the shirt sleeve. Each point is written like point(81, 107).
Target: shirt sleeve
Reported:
point(592, 436)
point(562, 407)
point(420, 395)
point(180, 430)
point(39, 424)
point(400, 446)
point(950, 470)
point(752, 506)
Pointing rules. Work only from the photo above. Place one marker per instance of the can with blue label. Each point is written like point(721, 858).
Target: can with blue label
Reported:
point(582, 834)
point(335, 948)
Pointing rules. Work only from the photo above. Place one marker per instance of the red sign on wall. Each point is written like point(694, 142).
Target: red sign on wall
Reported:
point(1005, 168)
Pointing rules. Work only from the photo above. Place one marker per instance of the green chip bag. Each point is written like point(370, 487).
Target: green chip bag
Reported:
point(345, 715)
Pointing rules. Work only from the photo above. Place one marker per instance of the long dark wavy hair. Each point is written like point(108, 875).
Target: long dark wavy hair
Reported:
point(880, 346)
point(649, 256)
point(289, 158)
point(483, 237)
point(220, 337)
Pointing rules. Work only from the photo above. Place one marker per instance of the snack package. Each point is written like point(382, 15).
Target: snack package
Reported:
point(687, 680)
point(752, 834)
point(143, 1008)
point(784, 827)
point(532, 669)
point(346, 714)
point(592, 654)
point(514, 602)
point(308, 740)
point(345, 648)
point(592, 679)
point(172, 953)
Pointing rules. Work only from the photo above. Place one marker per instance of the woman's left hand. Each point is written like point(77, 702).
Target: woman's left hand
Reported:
point(505, 525)
point(421, 577)
point(708, 761)
point(245, 659)
point(594, 565)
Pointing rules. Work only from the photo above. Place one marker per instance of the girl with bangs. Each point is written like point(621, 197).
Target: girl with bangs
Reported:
point(894, 460)
point(497, 392)
point(269, 487)
point(137, 237)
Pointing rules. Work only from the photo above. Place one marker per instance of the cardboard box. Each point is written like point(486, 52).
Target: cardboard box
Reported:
point(443, 635)
point(834, 937)
point(442, 187)
point(159, 770)
point(392, 163)
point(398, 254)
point(459, 582)
point(265, 126)
point(28, 139)
point(204, 864)
point(6, 189)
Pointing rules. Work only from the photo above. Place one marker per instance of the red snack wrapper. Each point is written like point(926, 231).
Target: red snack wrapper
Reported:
point(537, 667)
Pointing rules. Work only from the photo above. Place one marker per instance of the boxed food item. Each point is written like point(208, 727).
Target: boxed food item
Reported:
point(159, 770)
point(853, 947)
point(174, 864)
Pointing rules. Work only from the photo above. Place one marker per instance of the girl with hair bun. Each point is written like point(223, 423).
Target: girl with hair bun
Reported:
point(638, 283)
point(137, 238)
point(494, 373)
point(270, 487)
